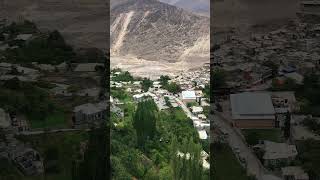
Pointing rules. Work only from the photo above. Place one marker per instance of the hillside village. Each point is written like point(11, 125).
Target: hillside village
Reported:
point(47, 88)
point(267, 99)
point(184, 93)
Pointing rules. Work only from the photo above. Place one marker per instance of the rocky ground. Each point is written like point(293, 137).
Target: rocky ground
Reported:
point(82, 22)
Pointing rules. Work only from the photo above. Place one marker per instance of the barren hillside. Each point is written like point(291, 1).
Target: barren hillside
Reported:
point(82, 22)
point(156, 31)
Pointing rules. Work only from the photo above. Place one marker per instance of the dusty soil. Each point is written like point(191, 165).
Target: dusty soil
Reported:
point(244, 13)
point(82, 22)
point(154, 69)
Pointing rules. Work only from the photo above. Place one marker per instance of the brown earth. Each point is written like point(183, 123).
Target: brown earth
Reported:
point(82, 22)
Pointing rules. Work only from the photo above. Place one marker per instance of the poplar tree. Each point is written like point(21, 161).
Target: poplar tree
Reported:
point(144, 121)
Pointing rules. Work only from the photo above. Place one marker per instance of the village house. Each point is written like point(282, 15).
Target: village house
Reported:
point(61, 90)
point(140, 97)
point(28, 160)
point(157, 85)
point(294, 173)
point(23, 37)
point(252, 110)
point(196, 110)
point(118, 111)
point(277, 154)
point(203, 134)
point(188, 96)
point(204, 157)
point(89, 113)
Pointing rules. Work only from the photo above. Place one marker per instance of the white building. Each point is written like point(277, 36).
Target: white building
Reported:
point(197, 109)
point(188, 96)
point(203, 135)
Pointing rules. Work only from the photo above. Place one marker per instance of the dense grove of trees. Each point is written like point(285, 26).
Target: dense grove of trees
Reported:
point(309, 157)
point(310, 94)
point(218, 78)
point(162, 134)
point(288, 85)
point(312, 124)
point(188, 164)
point(23, 97)
point(171, 87)
point(45, 49)
point(94, 164)
point(26, 27)
point(123, 76)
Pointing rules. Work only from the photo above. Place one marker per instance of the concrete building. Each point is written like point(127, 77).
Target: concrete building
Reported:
point(294, 173)
point(196, 110)
point(89, 113)
point(188, 96)
point(252, 110)
point(27, 160)
point(278, 154)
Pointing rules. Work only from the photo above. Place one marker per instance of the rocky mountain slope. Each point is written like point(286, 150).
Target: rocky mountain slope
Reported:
point(197, 6)
point(152, 30)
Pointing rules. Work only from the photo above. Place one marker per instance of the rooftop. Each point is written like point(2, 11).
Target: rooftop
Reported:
point(252, 105)
point(90, 108)
point(275, 150)
point(188, 95)
point(295, 171)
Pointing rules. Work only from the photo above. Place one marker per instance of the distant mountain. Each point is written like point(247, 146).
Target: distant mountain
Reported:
point(153, 30)
point(197, 6)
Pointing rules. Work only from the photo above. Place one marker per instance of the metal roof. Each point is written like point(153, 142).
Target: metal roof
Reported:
point(188, 95)
point(252, 105)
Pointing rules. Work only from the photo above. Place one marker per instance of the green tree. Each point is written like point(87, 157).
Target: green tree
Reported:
point(146, 84)
point(218, 78)
point(252, 138)
point(273, 66)
point(187, 164)
point(144, 121)
point(287, 125)
point(164, 80)
point(94, 165)
point(173, 87)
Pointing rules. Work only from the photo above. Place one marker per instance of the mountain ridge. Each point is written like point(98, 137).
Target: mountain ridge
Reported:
point(153, 30)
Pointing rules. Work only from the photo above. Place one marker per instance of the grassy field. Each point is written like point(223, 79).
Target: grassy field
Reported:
point(66, 146)
point(253, 135)
point(56, 120)
point(226, 166)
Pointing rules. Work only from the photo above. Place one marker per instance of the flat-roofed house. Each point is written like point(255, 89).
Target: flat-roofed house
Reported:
point(252, 110)
point(294, 173)
point(89, 113)
point(188, 96)
point(278, 154)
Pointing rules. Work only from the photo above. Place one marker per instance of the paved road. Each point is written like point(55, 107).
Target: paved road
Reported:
point(184, 107)
point(238, 144)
